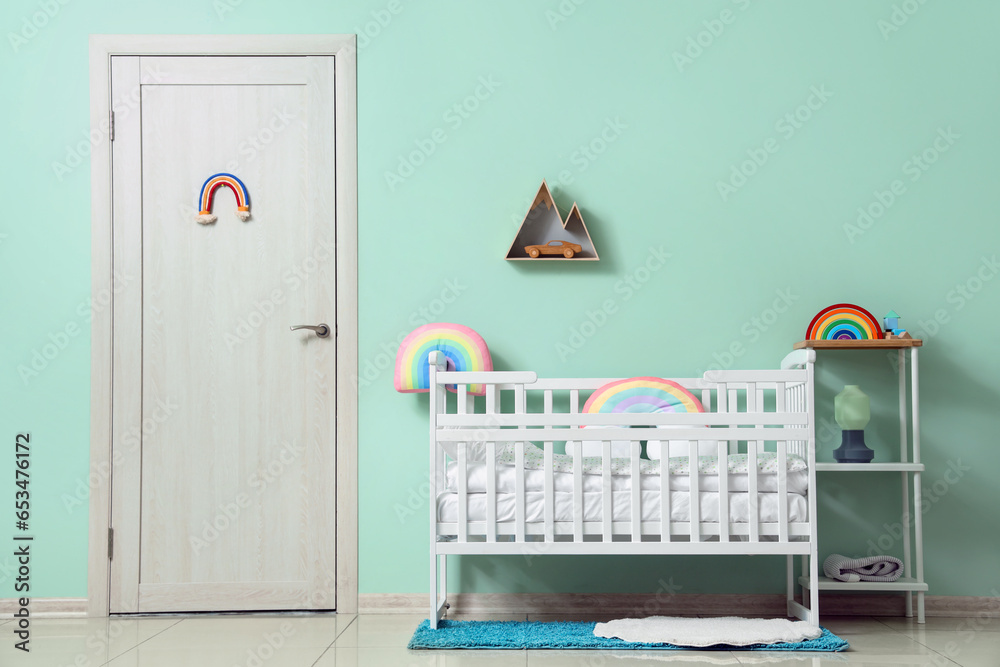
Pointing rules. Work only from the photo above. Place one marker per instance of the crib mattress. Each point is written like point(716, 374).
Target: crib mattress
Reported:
point(680, 508)
point(534, 480)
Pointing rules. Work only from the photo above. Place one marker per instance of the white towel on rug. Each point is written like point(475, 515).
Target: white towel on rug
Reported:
point(731, 630)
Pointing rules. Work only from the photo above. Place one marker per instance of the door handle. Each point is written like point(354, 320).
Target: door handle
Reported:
point(322, 330)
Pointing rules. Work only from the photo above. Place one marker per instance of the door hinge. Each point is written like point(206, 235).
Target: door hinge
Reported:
point(111, 130)
point(111, 543)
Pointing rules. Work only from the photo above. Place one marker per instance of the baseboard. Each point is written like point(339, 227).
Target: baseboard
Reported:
point(831, 604)
point(46, 607)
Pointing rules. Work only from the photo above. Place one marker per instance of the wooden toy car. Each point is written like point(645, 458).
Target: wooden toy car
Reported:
point(564, 248)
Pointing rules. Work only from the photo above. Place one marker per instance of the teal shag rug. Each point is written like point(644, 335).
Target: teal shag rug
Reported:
point(572, 635)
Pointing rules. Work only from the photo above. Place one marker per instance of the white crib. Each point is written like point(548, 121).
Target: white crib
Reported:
point(766, 414)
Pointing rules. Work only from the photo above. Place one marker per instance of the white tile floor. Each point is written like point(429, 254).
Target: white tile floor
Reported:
point(347, 640)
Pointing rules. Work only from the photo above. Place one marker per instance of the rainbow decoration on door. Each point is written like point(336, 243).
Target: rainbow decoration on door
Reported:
point(214, 182)
point(642, 395)
point(844, 321)
point(466, 351)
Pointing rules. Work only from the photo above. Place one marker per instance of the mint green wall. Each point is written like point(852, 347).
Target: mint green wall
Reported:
point(672, 131)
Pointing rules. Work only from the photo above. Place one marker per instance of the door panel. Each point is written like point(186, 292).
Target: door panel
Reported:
point(236, 508)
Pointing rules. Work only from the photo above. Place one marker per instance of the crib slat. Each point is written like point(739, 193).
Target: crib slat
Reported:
point(491, 491)
point(463, 493)
point(723, 492)
point(492, 399)
point(519, 515)
point(664, 496)
point(550, 501)
point(519, 510)
point(578, 494)
point(706, 399)
point(574, 408)
point(635, 451)
point(734, 406)
point(606, 515)
point(753, 516)
point(783, 491)
point(695, 497)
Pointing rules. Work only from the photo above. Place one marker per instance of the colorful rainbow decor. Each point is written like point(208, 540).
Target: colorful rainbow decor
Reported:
point(214, 182)
point(642, 395)
point(466, 351)
point(844, 321)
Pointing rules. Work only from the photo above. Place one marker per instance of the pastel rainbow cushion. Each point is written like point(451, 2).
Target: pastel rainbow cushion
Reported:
point(844, 321)
point(466, 351)
point(642, 395)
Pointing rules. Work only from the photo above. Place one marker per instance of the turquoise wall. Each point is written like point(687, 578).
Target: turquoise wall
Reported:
point(728, 144)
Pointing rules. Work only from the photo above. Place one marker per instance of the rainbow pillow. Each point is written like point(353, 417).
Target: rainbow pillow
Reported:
point(465, 349)
point(643, 395)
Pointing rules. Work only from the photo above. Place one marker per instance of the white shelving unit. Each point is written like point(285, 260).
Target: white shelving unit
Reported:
point(908, 466)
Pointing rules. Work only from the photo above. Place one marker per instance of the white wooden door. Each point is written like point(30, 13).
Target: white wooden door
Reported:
point(223, 495)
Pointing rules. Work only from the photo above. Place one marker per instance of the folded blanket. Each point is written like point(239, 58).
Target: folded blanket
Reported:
point(873, 568)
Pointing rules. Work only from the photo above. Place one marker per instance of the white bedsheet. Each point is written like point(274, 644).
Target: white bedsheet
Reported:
point(680, 509)
point(534, 480)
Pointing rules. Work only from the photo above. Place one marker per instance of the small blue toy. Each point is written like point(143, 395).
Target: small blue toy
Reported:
point(891, 321)
point(892, 328)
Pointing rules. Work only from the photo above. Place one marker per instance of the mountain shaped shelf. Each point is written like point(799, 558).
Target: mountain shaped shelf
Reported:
point(544, 223)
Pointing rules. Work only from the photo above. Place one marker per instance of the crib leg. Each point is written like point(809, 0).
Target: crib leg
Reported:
point(433, 617)
point(814, 587)
point(789, 584)
point(444, 582)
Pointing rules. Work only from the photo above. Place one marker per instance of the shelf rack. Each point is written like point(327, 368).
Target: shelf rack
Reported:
point(912, 580)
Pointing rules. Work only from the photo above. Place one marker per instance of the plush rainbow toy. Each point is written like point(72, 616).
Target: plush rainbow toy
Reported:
point(844, 321)
point(214, 182)
point(642, 395)
point(466, 351)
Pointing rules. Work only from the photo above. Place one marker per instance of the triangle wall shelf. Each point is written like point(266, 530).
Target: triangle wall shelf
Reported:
point(544, 235)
